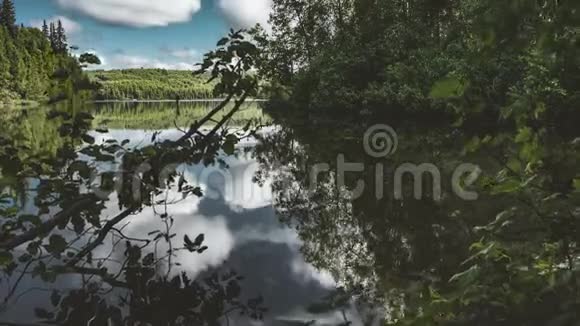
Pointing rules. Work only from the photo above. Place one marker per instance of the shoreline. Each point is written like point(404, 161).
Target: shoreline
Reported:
point(171, 101)
point(20, 104)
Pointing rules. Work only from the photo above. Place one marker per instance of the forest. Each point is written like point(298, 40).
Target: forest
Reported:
point(150, 84)
point(96, 200)
point(36, 65)
point(502, 79)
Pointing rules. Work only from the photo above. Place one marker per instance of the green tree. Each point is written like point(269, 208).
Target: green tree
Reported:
point(31, 69)
point(45, 30)
point(52, 36)
point(8, 16)
point(89, 58)
point(61, 44)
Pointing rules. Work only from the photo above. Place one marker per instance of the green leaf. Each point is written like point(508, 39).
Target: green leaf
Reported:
point(524, 135)
point(509, 186)
point(223, 41)
point(24, 258)
point(515, 165)
point(229, 145)
point(197, 192)
point(577, 184)
point(199, 240)
point(5, 258)
point(81, 167)
point(473, 145)
point(38, 269)
point(448, 87)
point(56, 244)
point(149, 151)
point(33, 247)
point(229, 148)
point(467, 277)
point(88, 139)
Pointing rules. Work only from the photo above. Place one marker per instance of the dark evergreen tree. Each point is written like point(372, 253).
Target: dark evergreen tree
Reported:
point(61, 41)
point(8, 16)
point(45, 30)
point(52, 36)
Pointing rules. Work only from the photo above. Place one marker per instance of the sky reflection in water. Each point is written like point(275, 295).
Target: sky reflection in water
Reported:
point(241, 230)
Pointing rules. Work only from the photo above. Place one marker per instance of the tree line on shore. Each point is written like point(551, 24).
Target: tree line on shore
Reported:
point(150, 84)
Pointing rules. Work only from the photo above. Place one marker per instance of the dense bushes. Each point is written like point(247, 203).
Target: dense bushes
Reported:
point(514, 62)
point(388, 55)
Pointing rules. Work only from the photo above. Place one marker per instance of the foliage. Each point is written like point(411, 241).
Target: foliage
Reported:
point(150, 84)
point(89, 58)
point(33, 67)
point(8, 17)
point(507, 74)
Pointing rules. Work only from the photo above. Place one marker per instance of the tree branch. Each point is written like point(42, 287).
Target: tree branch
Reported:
point(101, 237)
point(226, 118)
point(194, 127)
point(101, 272)
point(47, 226)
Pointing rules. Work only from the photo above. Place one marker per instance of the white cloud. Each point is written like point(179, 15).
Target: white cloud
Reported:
point(125, 61)
point(150, 13)
point(70, 26)
point(135, 13)
point(246, 13)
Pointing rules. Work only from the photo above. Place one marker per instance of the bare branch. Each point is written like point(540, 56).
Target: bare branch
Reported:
point(194, 127)
point(102, 235)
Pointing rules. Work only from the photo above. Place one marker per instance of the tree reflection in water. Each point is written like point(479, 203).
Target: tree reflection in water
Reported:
point(405, 255)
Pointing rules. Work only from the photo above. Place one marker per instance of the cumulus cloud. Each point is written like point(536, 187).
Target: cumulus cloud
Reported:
point(246, 13)
point(151, 13)
point(125, 61)
point(135, 13)
point(71, 27)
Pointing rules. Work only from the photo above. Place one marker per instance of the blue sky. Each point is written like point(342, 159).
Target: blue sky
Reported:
point(171, 34)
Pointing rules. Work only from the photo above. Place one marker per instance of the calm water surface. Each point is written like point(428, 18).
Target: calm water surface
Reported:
point(237, 215)
point(326, 252)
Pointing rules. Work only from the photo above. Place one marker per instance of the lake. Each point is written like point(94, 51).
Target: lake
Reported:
point(302, 220)
point(236, 215)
